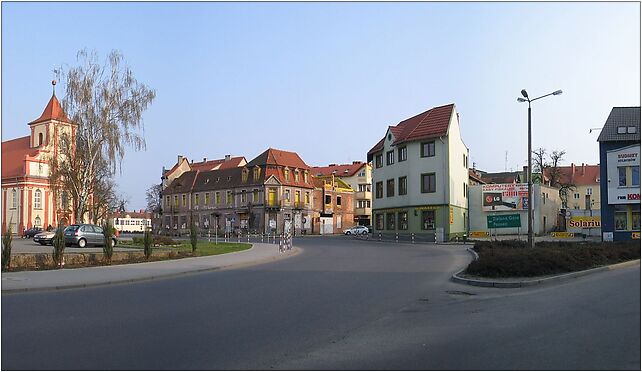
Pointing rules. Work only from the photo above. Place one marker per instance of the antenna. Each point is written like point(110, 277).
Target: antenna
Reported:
point(592, 129)
point(505, 161)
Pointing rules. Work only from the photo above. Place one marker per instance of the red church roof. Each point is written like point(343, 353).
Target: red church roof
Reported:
point(53, 111)
point(13, 156)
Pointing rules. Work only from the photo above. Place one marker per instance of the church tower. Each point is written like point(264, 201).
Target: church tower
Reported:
point(46, 130)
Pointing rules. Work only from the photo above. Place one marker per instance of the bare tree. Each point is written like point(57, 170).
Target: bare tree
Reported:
point(540, 163)
point(153, 196)
point(107, 104)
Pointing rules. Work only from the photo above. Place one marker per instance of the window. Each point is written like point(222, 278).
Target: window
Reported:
point(287, 174)
point(255, 196)
point(403, 185)
point(631, 130)
point(176, 200)
point(621, 130)
point(167, 201)
point(636, 221)
point(428, 149)
point(367, 203)
point(576, 195)
point(307, 197)
point(244, 174)
point(364, 187)
point(338, 201)
point(465, 186)
point(427, 220)
point(589, 191)
point(230, 198)
point(428, 183)
point(635, 175)
point(207, 198)
point(362, 173)
point(286, 195)
point(64, 200)
point(402, 153)
point(37, 197)
point(243, 196)
point(38, 222)
point(305, 176)
point(257, 173)
point(390, 187)
point(620, 221)
point(217, 197)
point(328, 200)
point(621, 176)
point(379, 190)
point(379, 161)
point(390, 221)
point(390, 157)
point(14, 199)
point(379, 221)
point(183, 200)
point(403, 220)
point(196, 199)
point(297, 196)
point(296, 175)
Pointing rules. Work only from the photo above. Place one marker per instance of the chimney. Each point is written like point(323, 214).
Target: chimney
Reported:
point(572, 170)
point(332, 165)
point(583, 169)
point(356, 162)
point(228, 157)
point(180, 159)
point(204, 160)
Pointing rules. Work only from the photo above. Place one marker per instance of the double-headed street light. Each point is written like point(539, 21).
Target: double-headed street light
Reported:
point(530, 162)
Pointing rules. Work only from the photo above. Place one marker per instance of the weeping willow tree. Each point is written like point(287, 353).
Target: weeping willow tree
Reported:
point(107, 103)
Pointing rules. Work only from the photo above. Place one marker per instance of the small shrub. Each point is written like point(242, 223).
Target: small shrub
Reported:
point(6, 249)
point(137, 240)
point(147, 243)
point(58, 247)
point(108, 247)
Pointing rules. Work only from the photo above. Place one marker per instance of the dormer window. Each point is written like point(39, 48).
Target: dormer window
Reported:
point(296, 175)
point(287, 174)
point(39, 139)
point(305, 176)
point(257, 173)
point(621, 130)
point(244, 174)
point(631, 130)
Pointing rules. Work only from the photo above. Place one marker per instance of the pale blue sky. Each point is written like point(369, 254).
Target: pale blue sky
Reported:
point(326, 79)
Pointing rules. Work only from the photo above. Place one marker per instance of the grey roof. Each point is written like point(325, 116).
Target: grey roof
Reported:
point(619, 117)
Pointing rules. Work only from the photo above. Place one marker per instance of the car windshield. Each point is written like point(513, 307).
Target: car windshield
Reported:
point(72, 227)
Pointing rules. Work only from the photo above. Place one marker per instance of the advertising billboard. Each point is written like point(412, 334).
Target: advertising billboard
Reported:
point(624, 175)
point(505, 197)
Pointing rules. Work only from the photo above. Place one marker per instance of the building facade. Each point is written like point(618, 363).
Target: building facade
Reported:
point(358, 176)
point(420, 176)
point(620, 174)
point(27, 198)
point(270, 194)
point(333, 204)
point(131, 222)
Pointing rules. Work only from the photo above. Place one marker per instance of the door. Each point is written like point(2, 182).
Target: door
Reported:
point(98, 235)
point(87, 232)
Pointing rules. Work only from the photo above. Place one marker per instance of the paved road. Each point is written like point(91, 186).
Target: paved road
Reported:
point(340, 304)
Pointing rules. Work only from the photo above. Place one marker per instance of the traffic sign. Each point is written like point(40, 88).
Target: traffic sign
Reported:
point(503, 220)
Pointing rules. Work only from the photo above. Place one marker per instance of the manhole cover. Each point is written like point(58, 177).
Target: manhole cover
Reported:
point(460, 293)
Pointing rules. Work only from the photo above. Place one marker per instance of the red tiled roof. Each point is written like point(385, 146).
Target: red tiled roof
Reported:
point(13, 156)
point(428, 124)
point(279, 157)
point(341, 170)
point(211, 164)
point(53, 111)
point(578, 175)
point(474, 176)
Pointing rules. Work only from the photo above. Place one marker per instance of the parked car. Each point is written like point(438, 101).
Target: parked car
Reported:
point(30, 233)
point(356, 230)
point(45, 237)
point(83, 235)
point(369, 228)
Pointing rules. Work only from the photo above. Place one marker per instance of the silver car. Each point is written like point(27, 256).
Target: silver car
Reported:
point(83, 235)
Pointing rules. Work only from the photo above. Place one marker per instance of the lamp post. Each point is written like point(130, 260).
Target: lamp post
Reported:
point(530, 161)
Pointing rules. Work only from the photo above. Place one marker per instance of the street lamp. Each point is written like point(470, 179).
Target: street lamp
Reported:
point(530, 161)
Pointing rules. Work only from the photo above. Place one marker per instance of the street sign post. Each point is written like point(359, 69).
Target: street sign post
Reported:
point(503, 220)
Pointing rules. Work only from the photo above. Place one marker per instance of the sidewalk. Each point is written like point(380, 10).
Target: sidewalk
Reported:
point(24, 281)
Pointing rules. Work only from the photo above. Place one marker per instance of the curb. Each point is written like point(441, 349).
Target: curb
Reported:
point(295, 251)
point(374, 240)
point(527, 283)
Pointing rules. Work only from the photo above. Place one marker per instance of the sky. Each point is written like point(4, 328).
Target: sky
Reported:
point(326, 80)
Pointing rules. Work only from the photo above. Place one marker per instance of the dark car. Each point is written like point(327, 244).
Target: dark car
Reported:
point(83, 235)
point(30, 233)
point(44, 237)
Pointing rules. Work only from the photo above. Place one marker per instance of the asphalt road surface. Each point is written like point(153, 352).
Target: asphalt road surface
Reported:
point(340, 304)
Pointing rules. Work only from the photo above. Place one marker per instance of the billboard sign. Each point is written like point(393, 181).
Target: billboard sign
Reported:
point(621, 181)
point(505, 197)
point(585, 222)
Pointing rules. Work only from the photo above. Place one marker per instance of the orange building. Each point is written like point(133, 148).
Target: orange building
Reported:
point(27, 200)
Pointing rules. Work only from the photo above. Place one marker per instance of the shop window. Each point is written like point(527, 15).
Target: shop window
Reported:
point(390, 221)
point(427, 220)
point(635, 221)
point(403, 220)
point(379, 221)
point(620, 221)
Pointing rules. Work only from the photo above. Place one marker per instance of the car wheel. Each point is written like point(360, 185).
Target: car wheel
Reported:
point(82, 243)
point(113, 242)
point(348, 233)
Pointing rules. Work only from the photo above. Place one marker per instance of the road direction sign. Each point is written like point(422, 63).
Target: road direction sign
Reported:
point(503, 220)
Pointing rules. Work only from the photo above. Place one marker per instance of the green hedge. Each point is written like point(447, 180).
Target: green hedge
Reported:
point(157, 240)
point(498, 259)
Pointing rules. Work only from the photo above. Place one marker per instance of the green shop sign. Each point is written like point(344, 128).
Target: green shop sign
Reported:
point(503, 220)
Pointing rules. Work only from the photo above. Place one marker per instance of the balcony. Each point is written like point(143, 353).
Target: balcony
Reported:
point(363, 211)
point(273, 204)
point(363, 195)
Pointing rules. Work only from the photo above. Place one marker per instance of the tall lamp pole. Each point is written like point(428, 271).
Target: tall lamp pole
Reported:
point(529, 176)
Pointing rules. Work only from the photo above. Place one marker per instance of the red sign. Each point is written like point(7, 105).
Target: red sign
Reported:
point(633, 197)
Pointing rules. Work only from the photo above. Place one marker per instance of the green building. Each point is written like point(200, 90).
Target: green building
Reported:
point(420, 176)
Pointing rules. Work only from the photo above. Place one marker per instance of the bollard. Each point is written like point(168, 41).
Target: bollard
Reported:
point(412, 237)
point(379, 236)
point(396, 237)
point(248, 237)
point(239, 237)
point(261, 237)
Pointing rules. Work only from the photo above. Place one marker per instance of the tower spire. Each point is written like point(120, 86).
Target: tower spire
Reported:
point(53, 84)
